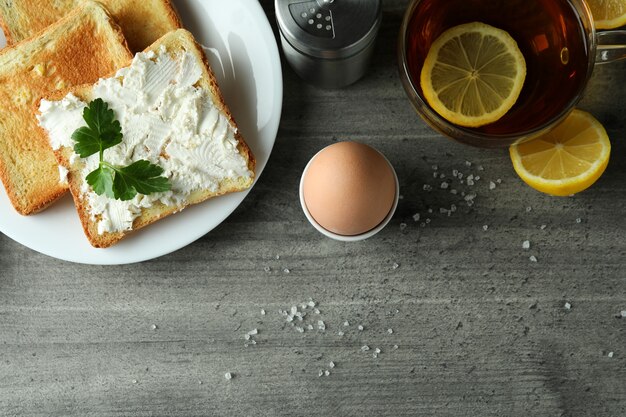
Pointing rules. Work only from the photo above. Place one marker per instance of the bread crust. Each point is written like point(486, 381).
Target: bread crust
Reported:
point(173, 41)
point(79, 48)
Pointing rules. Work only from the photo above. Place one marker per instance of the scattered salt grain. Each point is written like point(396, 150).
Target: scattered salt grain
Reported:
point(326, 372)
point(346, 323)
point(579, 220)
point(468, 163)
point(529, 209)
point(262, 312)
point(486, 227)
point(134, 381)
point(568, 306)
point(377, 350)
point(435, 175)
point(316, 311)
point(365, 348)
point(427, 187)
point(286, 270)
point(267, 269)
point(299, 329)
point(455, 192)
point(526, 245)
point(311, 303)
point(623, 313)
point(395, 266)
point(416, 217)
point(360, 327)
point(492, 185)
point(499, 181)
point(390, 331)
point(481, 168)
point(320, 373)
point(402, 226)
point(395, 346)
point(228, 376)
point(543, 227)
point(444, 185)
point(321, 325)
point(331, 365)
point(427, 221)
point(340, 333)
point(533, 258)
point(277, 257)
point(154, 327)
point(435, 167)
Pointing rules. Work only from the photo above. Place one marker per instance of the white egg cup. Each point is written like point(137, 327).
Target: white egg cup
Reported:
point(354, 238)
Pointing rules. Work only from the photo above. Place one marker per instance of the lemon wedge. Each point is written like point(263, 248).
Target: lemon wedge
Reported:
point(608, 14)
point(566, 160)
point(473, 74)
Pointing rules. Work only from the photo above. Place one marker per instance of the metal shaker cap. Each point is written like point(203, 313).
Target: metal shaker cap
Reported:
point(330, 29)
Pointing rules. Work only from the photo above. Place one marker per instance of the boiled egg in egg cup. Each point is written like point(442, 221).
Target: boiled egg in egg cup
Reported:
point(349, 191)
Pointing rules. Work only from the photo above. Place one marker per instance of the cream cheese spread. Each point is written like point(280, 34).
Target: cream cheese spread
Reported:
point(63, 174)
point(166, 120)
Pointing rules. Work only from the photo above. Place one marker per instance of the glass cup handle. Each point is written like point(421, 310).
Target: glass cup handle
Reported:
point(611, 46)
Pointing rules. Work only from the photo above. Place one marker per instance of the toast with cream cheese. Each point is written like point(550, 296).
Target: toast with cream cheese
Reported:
point(172, 114)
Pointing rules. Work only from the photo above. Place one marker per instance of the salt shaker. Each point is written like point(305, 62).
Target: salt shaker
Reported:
point(329, 43)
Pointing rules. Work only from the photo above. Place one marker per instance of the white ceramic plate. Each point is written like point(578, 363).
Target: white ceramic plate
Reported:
point(243, 53)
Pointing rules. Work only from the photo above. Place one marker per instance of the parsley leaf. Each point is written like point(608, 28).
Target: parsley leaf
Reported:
point(122, 183)
point(102, 130)
point(101, 180)
point(140, 177)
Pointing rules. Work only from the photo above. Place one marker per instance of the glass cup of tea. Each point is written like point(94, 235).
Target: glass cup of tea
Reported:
point(557, 38)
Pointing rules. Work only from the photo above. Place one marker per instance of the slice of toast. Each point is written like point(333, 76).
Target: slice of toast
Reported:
point(143, 22)
point(78, 49)
point(185, 52)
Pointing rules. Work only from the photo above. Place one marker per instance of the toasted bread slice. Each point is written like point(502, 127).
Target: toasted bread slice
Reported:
point(78, 49)
point(174, 43)
point(143, 22)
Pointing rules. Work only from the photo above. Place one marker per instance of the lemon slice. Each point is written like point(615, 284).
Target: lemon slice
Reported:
point(608, 14)
point(566, 160)
point(473, 74)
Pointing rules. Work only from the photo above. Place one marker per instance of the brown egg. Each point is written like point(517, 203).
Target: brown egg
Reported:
point(349, 188)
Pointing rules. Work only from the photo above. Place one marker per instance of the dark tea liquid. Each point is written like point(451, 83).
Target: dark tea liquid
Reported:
point(549, 33)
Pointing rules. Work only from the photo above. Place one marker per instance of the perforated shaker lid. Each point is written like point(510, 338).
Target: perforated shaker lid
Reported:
point(330, 29)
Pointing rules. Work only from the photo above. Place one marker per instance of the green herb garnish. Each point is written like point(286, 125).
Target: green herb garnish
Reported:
point(122, 183)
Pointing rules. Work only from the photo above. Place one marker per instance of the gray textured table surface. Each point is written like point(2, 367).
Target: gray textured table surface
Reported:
point(477, 328)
